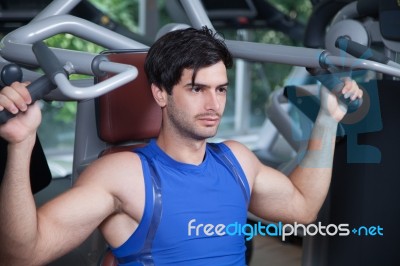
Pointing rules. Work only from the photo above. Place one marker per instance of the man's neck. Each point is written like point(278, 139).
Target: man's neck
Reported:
point(183, 150)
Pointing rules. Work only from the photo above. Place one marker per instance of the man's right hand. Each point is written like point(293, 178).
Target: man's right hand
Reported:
point(23, 126)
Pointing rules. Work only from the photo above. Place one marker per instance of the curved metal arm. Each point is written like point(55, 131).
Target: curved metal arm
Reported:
point(54, 72)
point(50, 26)
point(126, 74)
point(16, 46)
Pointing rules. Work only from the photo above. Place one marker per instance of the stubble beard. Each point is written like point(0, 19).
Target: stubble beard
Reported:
point(185, 126)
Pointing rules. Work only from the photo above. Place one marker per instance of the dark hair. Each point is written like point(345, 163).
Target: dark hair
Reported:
point(184, 49)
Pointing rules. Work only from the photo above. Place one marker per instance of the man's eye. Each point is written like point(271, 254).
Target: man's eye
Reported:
point(196, 89)
point(223, 89)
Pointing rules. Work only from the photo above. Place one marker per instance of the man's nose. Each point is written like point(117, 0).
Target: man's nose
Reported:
point(212, 101)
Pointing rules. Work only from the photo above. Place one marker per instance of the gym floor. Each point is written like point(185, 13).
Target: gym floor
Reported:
point(271, 251)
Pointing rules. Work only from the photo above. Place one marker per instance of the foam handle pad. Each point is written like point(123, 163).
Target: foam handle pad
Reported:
point(360, 51)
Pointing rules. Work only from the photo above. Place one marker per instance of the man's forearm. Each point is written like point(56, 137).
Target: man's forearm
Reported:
point(312, 176)
point(18, 218)
point(321, 145)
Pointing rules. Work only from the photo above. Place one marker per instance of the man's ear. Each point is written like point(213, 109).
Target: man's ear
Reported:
point(159, 95)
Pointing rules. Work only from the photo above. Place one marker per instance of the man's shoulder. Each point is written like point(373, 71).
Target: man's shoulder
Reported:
point(235, 146)
point(246, 158)
point(118, 167)
point(120, 158)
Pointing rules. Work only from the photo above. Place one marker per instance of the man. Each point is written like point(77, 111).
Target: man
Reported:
point(166, 203)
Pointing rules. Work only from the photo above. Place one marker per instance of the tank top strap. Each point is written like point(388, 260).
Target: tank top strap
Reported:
point(144, 256)
point(225, 155)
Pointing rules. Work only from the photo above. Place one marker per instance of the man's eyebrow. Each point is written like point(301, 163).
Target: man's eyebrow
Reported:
point(204, 85)
point(224, 85)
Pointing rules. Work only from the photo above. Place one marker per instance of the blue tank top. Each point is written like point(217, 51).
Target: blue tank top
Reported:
point(186, 209)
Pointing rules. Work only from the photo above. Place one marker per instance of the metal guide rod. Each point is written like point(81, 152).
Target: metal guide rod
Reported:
point(284, 54)
point(291, 55)
point(355, 63)
point(57, 7)
point(196, 13)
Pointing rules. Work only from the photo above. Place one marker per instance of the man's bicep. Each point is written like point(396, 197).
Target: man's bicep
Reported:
point(66, 221)
point(274, 196)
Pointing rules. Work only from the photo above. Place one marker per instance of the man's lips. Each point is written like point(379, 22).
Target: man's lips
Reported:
point(209, 118)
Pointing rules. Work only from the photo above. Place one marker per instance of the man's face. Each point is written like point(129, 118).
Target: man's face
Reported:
point(195, 110)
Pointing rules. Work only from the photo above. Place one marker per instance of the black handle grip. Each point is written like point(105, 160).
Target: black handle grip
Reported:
point(43, 85)
point(47, 60)
point(38, 89)
point(334, 84)
point(360, 51)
